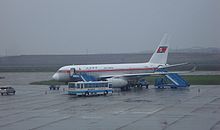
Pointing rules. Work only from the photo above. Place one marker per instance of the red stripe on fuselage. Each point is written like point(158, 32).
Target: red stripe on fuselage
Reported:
point(64, 71)
point(130, 69)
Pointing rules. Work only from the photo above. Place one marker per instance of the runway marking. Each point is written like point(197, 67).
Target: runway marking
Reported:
point(53, 122)
point(11, 123)
point(168, 125)
point(153, 112)
point(216, 124)
point(184, 116)
point(91, 117)
point(160, 109)
point(123, 111)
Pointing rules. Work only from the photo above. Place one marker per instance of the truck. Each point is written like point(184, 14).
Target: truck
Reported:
point(7, 90)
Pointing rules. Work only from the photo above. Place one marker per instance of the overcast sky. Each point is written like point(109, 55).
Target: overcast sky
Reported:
point(105, 26)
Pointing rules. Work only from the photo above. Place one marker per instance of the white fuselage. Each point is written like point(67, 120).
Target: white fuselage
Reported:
point(99, 70)
point(159, 58)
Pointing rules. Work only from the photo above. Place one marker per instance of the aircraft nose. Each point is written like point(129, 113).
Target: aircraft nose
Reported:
point(55, 76)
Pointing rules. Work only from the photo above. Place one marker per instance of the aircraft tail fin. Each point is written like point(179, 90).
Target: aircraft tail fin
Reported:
point(161, 53)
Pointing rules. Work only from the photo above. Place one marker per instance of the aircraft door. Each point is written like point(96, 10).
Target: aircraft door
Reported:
point(72, 71)
point(73, 75)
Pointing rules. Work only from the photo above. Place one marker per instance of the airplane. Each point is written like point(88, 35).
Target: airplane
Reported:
point(120, 74)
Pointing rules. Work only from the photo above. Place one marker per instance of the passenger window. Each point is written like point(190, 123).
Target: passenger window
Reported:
point(72, 85)
point(86, 85)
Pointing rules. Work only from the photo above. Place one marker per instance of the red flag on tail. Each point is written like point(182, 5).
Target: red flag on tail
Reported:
point(162, 49)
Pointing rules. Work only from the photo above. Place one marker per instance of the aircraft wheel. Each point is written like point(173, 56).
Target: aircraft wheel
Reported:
point(87, 94)
point(105, 92)
point(146, 86)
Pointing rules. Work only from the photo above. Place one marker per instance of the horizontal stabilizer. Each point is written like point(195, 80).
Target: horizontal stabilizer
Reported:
point(174, 65)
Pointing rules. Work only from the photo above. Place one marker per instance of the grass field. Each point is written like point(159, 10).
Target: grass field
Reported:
point(192, 79)
point(203, 79)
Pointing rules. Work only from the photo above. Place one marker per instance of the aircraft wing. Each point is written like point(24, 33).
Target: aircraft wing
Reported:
point(146, 74)
point(135, 75)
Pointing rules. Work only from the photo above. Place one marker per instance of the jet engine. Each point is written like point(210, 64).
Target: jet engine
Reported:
point(117, 82)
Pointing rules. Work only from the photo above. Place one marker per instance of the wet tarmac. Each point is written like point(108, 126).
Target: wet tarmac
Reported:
point(37, 108)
